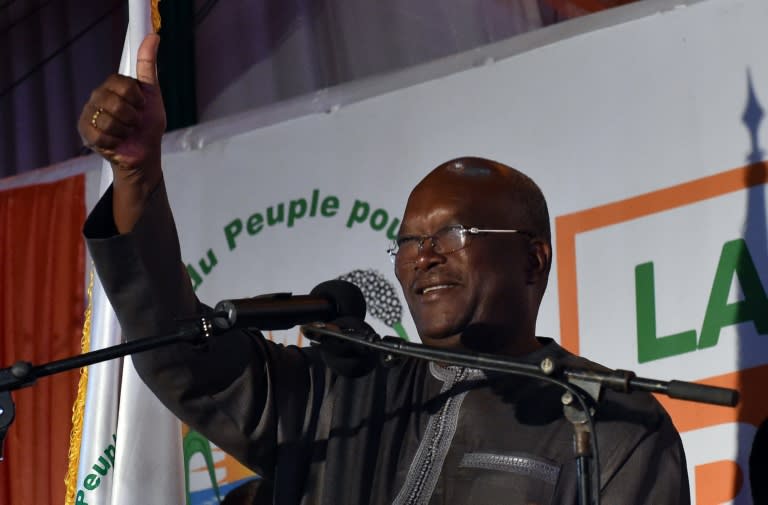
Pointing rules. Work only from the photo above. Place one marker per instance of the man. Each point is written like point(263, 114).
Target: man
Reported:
point(473, 256)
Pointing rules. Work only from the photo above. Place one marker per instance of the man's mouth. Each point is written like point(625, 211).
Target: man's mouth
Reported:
point(434, 288)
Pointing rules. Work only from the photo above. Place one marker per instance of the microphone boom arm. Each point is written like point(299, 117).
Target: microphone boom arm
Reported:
point(24, 374)
point(623, 381)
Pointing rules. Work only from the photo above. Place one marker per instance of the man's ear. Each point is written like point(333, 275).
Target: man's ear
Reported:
point(539, 260)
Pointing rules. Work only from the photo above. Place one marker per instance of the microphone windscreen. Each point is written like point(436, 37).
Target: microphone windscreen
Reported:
point(347, 297)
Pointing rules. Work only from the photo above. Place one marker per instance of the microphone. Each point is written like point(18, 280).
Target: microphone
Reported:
point(278, 311)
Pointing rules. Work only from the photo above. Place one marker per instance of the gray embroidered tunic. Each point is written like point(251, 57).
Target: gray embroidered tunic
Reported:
point(411, 434)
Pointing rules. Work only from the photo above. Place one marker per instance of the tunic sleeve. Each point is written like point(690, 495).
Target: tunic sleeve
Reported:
point(256, 400)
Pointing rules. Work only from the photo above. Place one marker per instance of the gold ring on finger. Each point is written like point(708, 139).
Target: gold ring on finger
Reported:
point(96, 116)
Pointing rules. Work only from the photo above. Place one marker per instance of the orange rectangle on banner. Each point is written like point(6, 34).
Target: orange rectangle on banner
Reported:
point(686, 415)
point(569, 225)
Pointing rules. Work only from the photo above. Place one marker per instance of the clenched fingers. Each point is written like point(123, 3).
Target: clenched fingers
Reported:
point(112, 112)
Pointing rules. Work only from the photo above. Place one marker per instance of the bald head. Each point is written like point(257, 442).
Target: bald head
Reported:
point(498, 186)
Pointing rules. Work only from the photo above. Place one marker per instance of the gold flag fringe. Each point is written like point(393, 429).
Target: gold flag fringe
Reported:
point(78, 408)
point(155, 16)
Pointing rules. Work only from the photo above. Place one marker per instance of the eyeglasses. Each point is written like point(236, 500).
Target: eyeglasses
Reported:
point(450, 239)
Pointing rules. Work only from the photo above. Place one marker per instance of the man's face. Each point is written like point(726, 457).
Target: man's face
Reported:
point(482, 289)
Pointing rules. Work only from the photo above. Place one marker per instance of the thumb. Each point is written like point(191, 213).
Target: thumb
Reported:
point(146, 59)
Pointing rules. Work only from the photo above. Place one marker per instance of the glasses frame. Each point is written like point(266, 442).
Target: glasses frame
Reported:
point(394, 247)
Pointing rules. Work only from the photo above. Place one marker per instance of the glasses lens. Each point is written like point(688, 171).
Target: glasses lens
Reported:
point(407, 249)
point(449, 240)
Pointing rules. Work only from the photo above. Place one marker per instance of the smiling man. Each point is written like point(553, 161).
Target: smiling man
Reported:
point(473, 256)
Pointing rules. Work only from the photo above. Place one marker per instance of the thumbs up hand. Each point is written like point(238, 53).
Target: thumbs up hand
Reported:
point(124, 119)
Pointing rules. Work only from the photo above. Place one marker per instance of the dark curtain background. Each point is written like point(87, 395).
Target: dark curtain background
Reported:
point(52, 54)
point(220, 58)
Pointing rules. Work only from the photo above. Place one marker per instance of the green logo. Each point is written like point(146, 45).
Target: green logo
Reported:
point(734, 260)
point(380, 297)
point(195, 443)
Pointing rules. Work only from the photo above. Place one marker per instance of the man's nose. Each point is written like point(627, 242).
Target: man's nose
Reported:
point(428, 257)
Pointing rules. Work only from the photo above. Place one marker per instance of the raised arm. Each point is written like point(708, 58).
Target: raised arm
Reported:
point(250, 396)
point(124, 121)
point(131, 233)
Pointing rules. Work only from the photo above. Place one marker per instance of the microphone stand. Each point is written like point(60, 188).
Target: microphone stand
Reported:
point(583, 387)
point(24, 374)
